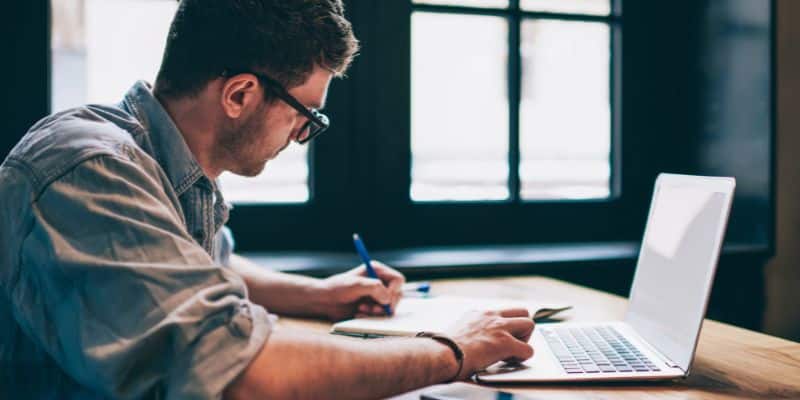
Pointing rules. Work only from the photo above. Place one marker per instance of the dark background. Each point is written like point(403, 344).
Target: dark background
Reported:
point(696, 95)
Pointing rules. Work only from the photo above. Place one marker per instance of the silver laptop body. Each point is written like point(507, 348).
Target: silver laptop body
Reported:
point(657, 339)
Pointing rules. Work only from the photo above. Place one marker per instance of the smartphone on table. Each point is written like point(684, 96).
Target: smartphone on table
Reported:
point(466, 391)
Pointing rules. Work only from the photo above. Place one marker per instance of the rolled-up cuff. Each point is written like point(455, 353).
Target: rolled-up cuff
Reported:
point(219, 356)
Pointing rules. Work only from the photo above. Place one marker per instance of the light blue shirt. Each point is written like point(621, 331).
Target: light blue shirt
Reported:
point(113, 266)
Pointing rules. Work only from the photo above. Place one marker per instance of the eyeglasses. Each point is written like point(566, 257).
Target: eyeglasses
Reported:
point(316, 123)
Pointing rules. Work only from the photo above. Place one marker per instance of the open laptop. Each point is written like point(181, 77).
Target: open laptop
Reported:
point(657, 339)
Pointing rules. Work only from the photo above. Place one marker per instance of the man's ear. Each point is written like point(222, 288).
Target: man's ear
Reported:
point(239, 93)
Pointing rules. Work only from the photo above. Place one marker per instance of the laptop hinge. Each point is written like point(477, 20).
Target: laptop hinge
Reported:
point(660, 355)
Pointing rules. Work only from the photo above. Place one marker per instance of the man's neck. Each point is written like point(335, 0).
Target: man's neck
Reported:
point(196, 124)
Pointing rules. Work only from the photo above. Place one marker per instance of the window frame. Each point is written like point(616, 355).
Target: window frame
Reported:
point(515, 17)
point(360, 181)
point(663, 63)
point(675, 57)
point(371, 111)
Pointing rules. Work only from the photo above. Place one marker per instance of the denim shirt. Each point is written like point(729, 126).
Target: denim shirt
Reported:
point(113, 269)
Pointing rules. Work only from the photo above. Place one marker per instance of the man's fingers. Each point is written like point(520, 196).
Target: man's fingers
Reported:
point(396, 286)
point(396, 290)
point(374, 289)
point(519, 327)
point(514, 312)
point(392, 279)
point(388, 274)
point(519, 351)
point(395, 299)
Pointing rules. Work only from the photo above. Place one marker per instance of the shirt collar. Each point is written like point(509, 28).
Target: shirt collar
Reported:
point(169, 148)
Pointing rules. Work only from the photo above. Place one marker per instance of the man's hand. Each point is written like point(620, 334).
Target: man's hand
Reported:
point(353, 293)
point(491, 336)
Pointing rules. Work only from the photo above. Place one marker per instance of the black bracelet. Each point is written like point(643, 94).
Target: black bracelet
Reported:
point(452, 345)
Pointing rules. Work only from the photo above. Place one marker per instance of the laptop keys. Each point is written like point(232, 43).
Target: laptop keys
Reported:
point(595, 350)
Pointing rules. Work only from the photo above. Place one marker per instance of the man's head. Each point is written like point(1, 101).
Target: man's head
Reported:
point(216, 51)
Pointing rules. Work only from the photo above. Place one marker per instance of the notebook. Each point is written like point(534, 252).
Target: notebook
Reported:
point(435, 314)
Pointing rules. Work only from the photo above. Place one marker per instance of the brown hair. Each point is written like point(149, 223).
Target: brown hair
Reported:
point(282, 38)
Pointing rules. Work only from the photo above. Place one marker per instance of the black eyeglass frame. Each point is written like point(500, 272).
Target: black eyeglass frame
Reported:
point(317, 121)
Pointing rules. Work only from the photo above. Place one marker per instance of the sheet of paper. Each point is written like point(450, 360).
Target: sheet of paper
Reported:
point(435, 314)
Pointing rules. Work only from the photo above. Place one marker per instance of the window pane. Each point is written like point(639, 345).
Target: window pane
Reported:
point(101, 47)
point(592, 7)
point(467, 3)
point(459, 106)
point(284, 180)
point(565, 128)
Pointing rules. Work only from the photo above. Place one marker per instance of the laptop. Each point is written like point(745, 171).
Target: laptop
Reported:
point(657, 339)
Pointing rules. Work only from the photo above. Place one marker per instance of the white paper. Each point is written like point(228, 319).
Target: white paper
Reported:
point(436, 314)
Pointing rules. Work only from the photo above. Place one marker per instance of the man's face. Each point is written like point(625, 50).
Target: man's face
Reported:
point(262, 134)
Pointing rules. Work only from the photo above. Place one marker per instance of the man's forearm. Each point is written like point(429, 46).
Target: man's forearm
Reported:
point(307, 365)
point(281, 293)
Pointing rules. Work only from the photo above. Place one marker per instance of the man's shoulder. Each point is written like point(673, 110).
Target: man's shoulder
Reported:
point(59, 142)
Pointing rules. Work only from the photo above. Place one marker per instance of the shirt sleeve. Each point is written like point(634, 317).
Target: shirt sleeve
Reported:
point(122, 298)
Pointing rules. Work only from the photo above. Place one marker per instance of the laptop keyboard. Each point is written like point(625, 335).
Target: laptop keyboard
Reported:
point(595, 350)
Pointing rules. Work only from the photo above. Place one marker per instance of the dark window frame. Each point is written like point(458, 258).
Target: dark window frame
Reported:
point(372, 113)
point(663, 69)
point(515, 17)
point(675, 55)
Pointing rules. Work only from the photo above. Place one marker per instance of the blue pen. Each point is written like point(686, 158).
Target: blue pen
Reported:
point(362, 252)
point(417, 287)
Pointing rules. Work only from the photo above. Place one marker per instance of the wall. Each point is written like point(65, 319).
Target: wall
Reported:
point(783, 272)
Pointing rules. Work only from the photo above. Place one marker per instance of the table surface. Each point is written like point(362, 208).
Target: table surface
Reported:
point(731, 363)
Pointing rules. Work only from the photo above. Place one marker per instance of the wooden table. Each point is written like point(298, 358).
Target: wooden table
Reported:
point(730, 363)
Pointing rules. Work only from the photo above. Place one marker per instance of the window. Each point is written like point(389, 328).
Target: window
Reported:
point(461, 122)
point(99, 48)
point(459, 110)
point(359, 175)
point(511, 100)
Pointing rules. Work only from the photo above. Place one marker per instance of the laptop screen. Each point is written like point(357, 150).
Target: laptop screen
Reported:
point(677, 261)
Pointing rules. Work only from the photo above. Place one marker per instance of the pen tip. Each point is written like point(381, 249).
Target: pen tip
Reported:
point(355, 236)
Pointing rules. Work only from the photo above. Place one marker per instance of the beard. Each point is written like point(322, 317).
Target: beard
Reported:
point(241, 147)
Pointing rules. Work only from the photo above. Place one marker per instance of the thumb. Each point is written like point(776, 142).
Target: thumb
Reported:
point(519, 351)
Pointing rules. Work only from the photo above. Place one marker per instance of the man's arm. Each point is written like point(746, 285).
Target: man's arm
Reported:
point(304, 365)
point(338, 297)
point(281, 293)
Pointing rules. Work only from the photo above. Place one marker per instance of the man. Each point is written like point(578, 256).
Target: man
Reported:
point(118, 275)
